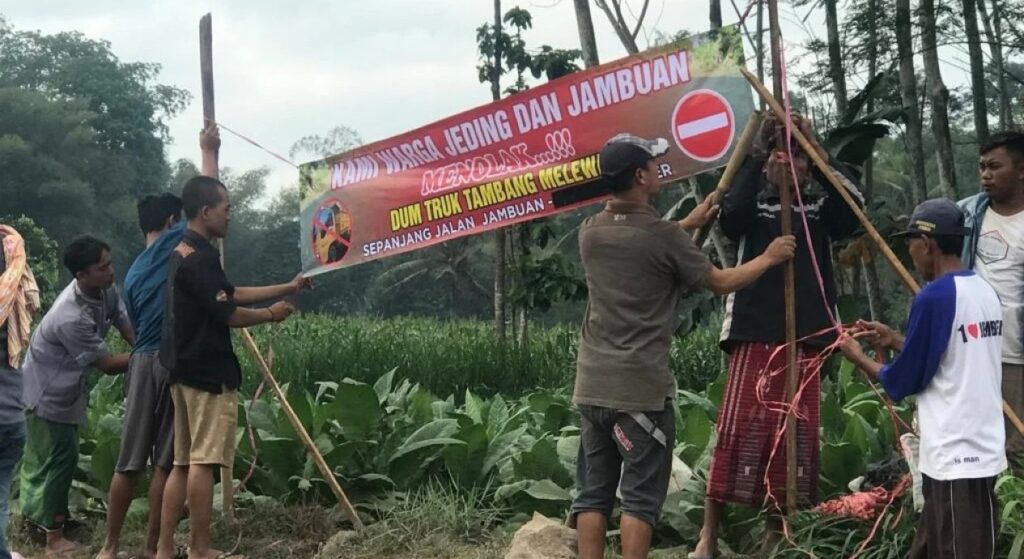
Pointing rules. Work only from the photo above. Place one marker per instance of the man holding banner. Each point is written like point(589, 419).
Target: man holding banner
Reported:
point(637, 266)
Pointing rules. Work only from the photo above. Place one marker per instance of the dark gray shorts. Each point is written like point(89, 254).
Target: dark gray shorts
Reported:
point(960, 519)
point(148, 432)
point(617, 451)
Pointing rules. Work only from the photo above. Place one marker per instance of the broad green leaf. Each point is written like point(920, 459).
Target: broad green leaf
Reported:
point(383, 386)
point(474, 407)
point(697, 429)
point(437, 432)
point(357, 410)
point(568, 451)
point(501, 447)
point(497, 416)
point(419, 407)
point(260, 415)
point(466, 462)
point(841, 462)
point(547, 490)
point(541, 462)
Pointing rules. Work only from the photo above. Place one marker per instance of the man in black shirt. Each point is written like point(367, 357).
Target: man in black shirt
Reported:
point(202, 307)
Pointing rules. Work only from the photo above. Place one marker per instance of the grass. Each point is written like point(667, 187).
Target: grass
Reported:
point(263, 530)
point(436, 520)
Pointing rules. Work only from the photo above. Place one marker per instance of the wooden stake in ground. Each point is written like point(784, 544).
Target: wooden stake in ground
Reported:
point(792, 378)
point(307, 441)
point(211, 169)
point(822, 166)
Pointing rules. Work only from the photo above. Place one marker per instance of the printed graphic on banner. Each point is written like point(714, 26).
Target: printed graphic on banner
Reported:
point(530, 155)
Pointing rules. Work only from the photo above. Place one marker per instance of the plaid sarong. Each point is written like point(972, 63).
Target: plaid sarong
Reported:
point(747, 430)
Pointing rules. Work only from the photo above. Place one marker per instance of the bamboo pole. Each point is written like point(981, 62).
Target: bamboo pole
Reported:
point(304, 437)
point(785, 195)
point(822, 165)
point(873, 233)
point(739, 153)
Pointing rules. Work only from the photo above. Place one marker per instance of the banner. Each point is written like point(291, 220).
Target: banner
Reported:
point(531, 155)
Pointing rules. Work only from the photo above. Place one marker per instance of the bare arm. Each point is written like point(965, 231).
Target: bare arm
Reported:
point(256, 295)
point(209, 143)
point(730, 280)
point(127, 333)
point(850, 347)
point(242, 317)
point(112, 364)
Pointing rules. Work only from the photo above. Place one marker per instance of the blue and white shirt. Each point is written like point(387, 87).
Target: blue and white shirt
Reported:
point(951, 360)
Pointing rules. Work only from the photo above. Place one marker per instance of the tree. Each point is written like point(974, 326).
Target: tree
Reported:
point(490, 49)
point(835, 55)
point(970, 13)
point(81, 130)
point(613, 9)
point(502, 52)
point(588, 43)
point(939, 97)
point(908, 93)
point(994, 33)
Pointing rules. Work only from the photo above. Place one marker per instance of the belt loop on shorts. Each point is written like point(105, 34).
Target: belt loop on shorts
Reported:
point(645, 422)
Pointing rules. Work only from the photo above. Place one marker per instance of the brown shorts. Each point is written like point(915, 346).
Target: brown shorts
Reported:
point(204, 426)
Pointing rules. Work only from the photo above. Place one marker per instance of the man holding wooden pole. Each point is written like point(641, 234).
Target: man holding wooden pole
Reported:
point(637, 266)
point(202, 306)
point(753, 332)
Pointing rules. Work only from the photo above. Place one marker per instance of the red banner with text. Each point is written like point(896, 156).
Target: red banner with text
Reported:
point(530, 155)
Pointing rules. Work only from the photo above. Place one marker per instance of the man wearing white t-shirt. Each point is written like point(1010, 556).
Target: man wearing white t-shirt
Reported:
point(950, 359)
point(995, 250)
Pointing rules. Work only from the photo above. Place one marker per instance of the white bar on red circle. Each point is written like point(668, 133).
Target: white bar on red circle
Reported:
point(702, 125)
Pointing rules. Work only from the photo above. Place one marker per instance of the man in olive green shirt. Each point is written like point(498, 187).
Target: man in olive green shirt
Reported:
point(637, 267)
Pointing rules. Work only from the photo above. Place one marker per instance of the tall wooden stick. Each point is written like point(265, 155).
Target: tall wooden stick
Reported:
point(792, 378)
point(304, 437)
point(211, 168)
point(209, 118)
point(883, 247)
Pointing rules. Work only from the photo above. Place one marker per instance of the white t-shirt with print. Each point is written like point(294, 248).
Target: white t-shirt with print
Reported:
point(1000, 262)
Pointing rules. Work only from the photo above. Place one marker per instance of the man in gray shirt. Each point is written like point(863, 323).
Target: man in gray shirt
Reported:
point(66, 344)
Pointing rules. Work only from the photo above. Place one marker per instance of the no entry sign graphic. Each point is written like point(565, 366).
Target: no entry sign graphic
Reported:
point(703, 125)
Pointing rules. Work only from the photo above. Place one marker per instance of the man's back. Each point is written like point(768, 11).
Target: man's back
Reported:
point(196, 341)
point(637, 265)
point(145, 289)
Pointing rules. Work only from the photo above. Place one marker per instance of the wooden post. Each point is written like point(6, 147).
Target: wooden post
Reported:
point(210, 168)
point(227, 483)
point(792, 377)
point(822, 166)
point(739, 153)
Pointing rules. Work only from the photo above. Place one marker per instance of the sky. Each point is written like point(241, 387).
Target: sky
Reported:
point(284, 70)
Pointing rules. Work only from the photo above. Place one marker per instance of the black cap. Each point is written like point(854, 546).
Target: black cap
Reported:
point(625, 150)
point(939, 217)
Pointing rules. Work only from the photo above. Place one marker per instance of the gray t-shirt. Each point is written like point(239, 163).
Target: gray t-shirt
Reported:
point(67, 341)
point(12, 410)
point(637, 267)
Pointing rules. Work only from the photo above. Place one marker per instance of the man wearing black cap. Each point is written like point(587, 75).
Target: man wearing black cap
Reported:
point(950, 359)
point(637, 266)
